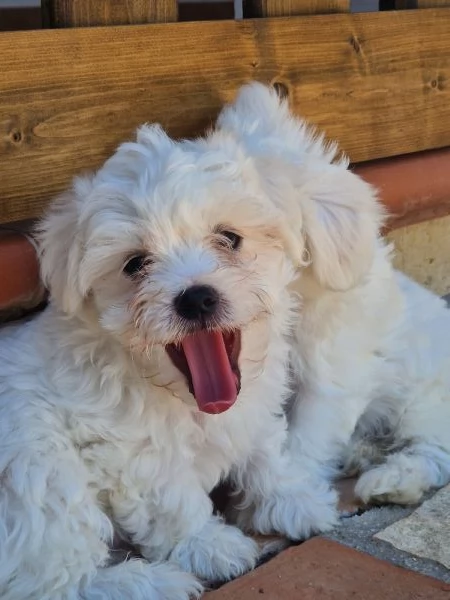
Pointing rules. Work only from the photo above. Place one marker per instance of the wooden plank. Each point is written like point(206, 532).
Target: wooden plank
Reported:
point(88, 13)
point(288, 8)
point(411, 4)
point(375, 82)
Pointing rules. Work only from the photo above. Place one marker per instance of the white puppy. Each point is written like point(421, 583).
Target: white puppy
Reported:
point(370, 349)
point(185, 279)
point(159, 368)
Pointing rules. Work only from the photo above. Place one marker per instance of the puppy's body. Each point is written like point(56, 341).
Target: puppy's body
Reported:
point(172, 257)
point(85, 434)
point(376, 385)
point(370, 348)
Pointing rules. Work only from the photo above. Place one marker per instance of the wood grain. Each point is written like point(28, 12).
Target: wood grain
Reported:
point(378, 83)
point(287, 8)
point(88, 13)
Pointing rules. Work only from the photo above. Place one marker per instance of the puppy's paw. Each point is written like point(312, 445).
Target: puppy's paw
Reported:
point(219, 552)
point(174, 584)
point(139, 580)
point(297, 513)
point(390, 483)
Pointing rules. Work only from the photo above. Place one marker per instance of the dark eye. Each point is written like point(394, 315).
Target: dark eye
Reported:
point(134, 265)
point(233, 238)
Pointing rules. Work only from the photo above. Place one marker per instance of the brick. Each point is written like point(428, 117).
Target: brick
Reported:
point(324, 570)
point(20, 287)
point(413, 187)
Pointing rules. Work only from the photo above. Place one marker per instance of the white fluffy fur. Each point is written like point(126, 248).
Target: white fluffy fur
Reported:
point(370, 352)
point(98, 432)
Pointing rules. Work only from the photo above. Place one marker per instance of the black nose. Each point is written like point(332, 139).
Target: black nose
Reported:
point(196, 302)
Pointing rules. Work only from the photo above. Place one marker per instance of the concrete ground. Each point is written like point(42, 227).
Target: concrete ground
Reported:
point(396, 534)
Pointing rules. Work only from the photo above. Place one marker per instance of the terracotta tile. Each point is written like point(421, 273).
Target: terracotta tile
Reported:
point(413, 187)
point(19, 273)
point(324, 570)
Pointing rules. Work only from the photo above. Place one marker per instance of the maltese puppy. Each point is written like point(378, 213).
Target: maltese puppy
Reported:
point(159, 369)
point(222, 308)
point(370, 349)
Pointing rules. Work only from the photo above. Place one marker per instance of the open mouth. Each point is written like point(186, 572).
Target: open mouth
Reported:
point(209, 361)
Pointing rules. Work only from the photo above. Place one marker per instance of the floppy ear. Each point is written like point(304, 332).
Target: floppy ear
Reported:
point(61, 249)
point(341, 222)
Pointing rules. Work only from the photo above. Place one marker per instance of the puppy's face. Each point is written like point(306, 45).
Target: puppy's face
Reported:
point(181, 255)
point(183, 251)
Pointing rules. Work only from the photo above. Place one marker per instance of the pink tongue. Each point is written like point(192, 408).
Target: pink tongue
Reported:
point(215, 385)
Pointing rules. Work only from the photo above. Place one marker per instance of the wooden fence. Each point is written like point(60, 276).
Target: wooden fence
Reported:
point(379, 83)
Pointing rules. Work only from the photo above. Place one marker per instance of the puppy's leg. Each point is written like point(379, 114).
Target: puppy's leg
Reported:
point(420, 458)
point(179, 524)
point(278, 496)
point(321, 424)
point(423, 425)
point(216, 552)
point(54, 539)
point(406, 475)
point(401, 450)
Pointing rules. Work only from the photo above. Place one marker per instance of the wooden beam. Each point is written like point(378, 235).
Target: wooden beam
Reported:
point(289, 8)
point(88, 13)
point(374, 82)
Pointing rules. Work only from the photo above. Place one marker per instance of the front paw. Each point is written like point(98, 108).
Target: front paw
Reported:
point(219, 552)
point(296, 513)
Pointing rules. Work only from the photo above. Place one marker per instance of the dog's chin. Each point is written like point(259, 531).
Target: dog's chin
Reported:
point(209, 362)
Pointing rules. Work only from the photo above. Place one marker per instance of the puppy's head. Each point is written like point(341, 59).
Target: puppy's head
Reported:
point(176, 250)
point(331, 212)
point(183, 251)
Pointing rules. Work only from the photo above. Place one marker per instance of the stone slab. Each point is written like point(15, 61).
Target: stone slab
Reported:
point(426, 532)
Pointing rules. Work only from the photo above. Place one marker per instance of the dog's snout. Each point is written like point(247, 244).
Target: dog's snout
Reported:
point(196, 302)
